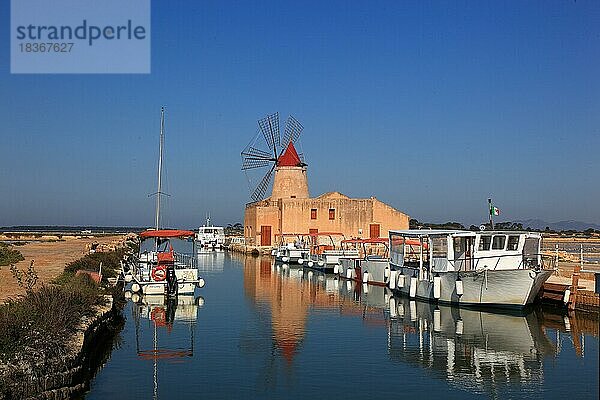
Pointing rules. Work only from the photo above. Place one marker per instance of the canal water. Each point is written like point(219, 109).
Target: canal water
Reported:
point(257, 330)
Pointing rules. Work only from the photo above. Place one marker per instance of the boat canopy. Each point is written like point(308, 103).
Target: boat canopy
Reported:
point(311, 234)
point(325, 234)
point(166, 233)
point(367, 241)
point(428, 232)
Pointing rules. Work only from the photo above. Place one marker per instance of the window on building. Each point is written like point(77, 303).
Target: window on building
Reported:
point(313, 213)
point(332, 213)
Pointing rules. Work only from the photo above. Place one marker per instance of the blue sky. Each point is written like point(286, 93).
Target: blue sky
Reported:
point(432, 107)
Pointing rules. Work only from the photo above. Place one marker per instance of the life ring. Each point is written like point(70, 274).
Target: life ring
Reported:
point(159, 273)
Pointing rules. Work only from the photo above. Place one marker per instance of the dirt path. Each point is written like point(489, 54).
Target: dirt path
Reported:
point(50, 260)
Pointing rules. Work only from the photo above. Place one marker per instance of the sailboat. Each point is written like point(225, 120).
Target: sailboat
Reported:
point(163, 266)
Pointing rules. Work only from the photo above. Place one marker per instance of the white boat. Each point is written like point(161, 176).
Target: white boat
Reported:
point(162, 266)
point(370, 265)
point(150, 275)
point(494, 268)
point(293, 249)
point(210, 237)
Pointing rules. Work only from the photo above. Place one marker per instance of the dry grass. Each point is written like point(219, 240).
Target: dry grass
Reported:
point(43, 318)
point(8, 255)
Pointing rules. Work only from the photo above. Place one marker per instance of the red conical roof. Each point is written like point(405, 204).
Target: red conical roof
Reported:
point(289, 158)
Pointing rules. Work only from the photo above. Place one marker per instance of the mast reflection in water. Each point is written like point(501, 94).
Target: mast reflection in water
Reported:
point(269, 331)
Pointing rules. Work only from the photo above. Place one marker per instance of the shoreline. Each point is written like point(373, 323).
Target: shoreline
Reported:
point(63, 363)
point(51, 256)
point(70, 373)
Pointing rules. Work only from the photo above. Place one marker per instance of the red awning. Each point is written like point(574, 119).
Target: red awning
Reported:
point(166, 233)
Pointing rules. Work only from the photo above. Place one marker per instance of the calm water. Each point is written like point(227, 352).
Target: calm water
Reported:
point(263, 333)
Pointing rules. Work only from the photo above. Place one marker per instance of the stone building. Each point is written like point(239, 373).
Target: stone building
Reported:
point(290, 209)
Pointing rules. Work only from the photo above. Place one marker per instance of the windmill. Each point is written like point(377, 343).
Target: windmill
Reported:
point(268, 150)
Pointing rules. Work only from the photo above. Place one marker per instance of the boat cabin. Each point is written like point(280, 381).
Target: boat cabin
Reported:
point(166, 247)
point(454, 250)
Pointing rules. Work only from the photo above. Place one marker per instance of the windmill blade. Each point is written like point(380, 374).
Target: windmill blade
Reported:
point(301, 156)
point(292, 131)
point(269, 126)
point(260, 190)
point(251, 163)
point(253, 152)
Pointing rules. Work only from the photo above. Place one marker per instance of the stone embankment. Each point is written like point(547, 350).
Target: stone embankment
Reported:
point(237, 244)
point(254, 250)
point(61, 377)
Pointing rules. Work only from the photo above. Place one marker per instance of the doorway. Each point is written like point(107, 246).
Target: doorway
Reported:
point(265, 235)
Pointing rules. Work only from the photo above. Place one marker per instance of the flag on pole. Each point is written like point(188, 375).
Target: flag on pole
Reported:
point(494, 210)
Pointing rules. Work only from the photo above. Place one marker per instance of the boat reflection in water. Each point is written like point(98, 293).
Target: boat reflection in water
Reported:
point(210, 260)
point(164, 329)
point(471, 349)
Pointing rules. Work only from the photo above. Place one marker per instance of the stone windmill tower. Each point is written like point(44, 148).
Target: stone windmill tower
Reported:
point(277, 159)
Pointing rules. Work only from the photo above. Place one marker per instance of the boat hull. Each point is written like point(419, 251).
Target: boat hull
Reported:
point(347, 268)
point(501, 288)
point(375, 272)
point(291, 256)
point(152, 287)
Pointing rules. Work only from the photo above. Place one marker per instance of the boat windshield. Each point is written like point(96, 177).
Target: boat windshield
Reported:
point(181, 246)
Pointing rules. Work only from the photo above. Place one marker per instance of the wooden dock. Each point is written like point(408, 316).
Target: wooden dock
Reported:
point(572, 297)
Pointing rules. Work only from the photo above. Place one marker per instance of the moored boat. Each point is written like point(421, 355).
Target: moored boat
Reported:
point(162, 270)
point(293, 249)
point(496, 268)
point(159, 268)
point(326, 251)
point(210, 237)
point(371, 263)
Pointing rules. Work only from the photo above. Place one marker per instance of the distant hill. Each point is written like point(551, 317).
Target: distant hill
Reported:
point(558, 226)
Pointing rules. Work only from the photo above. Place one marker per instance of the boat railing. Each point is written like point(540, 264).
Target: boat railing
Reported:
point(529, 261)
point(184, 261)
point(536, 261)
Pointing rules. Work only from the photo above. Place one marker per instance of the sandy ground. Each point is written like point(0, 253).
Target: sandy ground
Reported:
point(50, 260)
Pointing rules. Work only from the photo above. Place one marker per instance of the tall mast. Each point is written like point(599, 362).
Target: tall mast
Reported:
point(160, 159)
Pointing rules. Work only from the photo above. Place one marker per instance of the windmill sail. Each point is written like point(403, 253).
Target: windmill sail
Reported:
point(266, 155)
point(269, 126)
point(292, 131)
point(260, 190)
